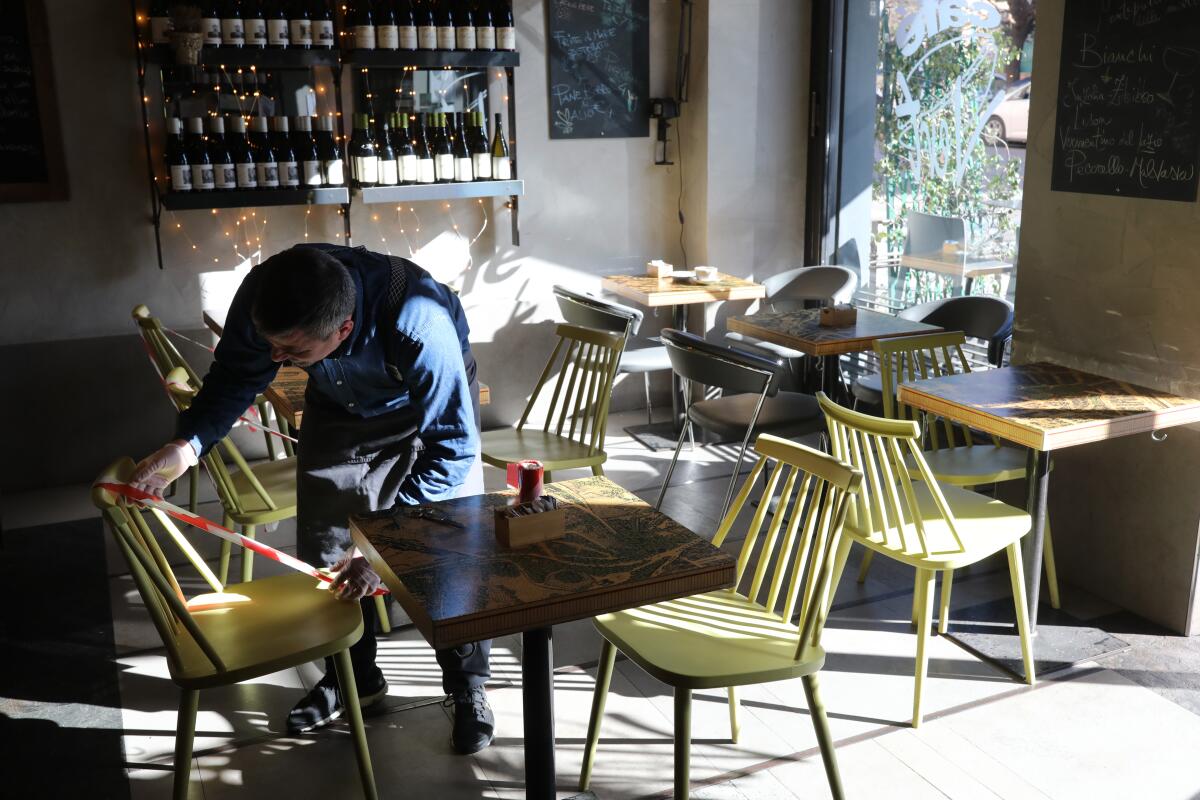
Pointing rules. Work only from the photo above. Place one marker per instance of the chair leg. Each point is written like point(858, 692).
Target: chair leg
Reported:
point(649, 408)
point(264, 418)
point(1016, 574)
point(737, 469)
point(546, 477)
point(345, 674)
point(247, 555)
point(286, 430)
point(226, 549)
point(865, 566)
point(925, 579)
point(816, 710)
point(385, 624)
point(194, 489)
point(735, 727)
point(839, 566)
point(662, 492)
point(1051, 569)
point(944, 610)
point(185, 731)
point(683, 740)
point(608, 656)
point(598, 470)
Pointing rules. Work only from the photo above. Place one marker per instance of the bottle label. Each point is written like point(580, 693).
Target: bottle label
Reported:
point(485, 38)
point(463, 170)
point(445, 38)
point(301, 32)
point(465, 35)
point(246, 178)
point(160, 30)
point(289, 174)
point(387, 37)
point(181, 178)
point(312, 173)
point(506, 38)
point(389, 172)
point(212, 31)
point(277, 32)
point(225, 176)
point(335, 173)
point(425, 171)
point(443, 166)
point(268, 175)
point(202, 176)
point(407, 35)
point(322, 32)
point(232, 33)
point(366, 169)
point(256, 32)
point(482, 164)
point(364, 37)
point(501, 168)
point(409, 171)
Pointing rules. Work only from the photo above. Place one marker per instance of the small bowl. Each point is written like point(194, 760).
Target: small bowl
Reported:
point(706, 275)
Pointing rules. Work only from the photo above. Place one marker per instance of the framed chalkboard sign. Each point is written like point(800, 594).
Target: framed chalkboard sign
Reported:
point(599, 68)
point(1128, 121)
point(31, 154)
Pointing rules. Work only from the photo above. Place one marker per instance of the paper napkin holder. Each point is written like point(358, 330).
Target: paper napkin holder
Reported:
point(513, 530)
point(838, 316)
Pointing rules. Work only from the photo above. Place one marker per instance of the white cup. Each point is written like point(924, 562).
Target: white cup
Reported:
point(706, 274)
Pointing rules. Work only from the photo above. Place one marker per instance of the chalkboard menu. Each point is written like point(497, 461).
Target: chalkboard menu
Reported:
point(599, 68)
point(1128, 120)
point(31, 162)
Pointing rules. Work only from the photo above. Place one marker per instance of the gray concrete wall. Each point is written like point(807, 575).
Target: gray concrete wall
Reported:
point(1110, 285)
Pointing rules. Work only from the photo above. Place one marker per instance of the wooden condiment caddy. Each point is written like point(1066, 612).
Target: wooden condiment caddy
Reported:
point(524, 524)
point(838, 316)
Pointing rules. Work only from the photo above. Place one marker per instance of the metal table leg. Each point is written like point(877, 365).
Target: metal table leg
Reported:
point(1039, 488)
point(537, 697)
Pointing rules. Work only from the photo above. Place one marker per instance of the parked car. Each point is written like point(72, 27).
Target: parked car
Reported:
point(1010, 123)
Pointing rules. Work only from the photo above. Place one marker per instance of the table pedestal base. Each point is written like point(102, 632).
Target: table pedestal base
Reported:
point(537, 700)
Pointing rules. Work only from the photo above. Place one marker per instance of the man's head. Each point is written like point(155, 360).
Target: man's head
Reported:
point(305, 305)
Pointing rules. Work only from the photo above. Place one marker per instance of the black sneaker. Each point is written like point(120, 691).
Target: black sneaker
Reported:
point(474, 724)
point(323, 704)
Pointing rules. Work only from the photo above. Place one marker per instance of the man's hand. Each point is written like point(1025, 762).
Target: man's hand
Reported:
point(355, 579)
point(155, 472)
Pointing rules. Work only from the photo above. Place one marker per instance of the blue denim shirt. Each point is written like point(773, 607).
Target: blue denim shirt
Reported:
point(413, 364)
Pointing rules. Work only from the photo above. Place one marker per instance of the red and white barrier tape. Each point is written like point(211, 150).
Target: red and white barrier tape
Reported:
point(179, 335)
point(208, 526)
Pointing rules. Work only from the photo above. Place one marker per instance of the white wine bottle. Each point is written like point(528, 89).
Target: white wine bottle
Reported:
point(387, 32)
point(501, 161)
point(506, 32)
point(406, 23)
point(362, 23)
point(444, 18)
point(389, 170)
point(364, 159)
point(481, 158)
point(332, 166)
point(464, 26)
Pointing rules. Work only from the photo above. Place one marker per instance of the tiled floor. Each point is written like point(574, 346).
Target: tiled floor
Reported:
point(1125, 728)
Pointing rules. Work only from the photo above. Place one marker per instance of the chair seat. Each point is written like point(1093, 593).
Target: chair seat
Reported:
point(985, 526)
point(281, 622)
point(279, 479)
point(976, 465)
point(708, 640)
point(648, 359)
point(786, 414)
point(509, 446)
point(770, 348)
point(868, 389)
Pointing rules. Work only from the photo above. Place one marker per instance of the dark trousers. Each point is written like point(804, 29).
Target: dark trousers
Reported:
point(350, 465)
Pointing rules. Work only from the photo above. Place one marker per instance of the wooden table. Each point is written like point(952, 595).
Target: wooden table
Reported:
point(459, 585)
point(802, 330)
point(1046, 407)
point(955, 265)
point(679, 294)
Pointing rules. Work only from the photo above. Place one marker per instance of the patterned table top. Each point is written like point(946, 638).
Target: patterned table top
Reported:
point(651, 292)
point(1047, 406)
point(802, 330)
point(460, 585)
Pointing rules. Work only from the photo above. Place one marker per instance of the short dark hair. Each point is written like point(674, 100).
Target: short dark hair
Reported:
point(303, 289)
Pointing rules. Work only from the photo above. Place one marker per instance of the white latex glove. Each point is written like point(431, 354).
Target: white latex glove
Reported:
point(156, 471)
point(355, 580)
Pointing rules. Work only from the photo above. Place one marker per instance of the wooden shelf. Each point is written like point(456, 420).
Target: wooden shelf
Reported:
point(431, 59)
point(440, 191)
point(250, 198)
point(266, 57)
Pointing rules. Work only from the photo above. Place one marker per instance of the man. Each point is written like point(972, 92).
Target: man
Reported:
point(390, 418)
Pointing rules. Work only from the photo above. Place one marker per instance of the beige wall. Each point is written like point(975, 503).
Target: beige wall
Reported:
point(1111, 285)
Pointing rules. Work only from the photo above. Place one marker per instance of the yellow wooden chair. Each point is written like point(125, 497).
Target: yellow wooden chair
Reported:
point(577, 414)
point(904, 513)
point(233, 633)
point(954, 454)
point(769, 631)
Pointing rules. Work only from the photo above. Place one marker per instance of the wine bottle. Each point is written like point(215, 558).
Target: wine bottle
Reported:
point(501, 162)
point(464, 170)
point(406, 25)
point(285, 155)
point(243, 155)
point(332, 167)
point(389, 170)
point(485, 33)
point(224, 173)
point(177, 161)
point(233, 31)
point(305, 147)
point(161, 23)
point(425, 168)
point(444, 19)
point(443, 154)
point(300, 26)
point(210, 24)
point(266, 168)
point(464, 26)
point(506, 32)
point(363, 24)
point(426, 24)
point(254, 23)
point(198, 157)
point(322, 25)
point(481, 157)
point(277, 24)
point(402, 144)
point(387, 33)
point(364, 158)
